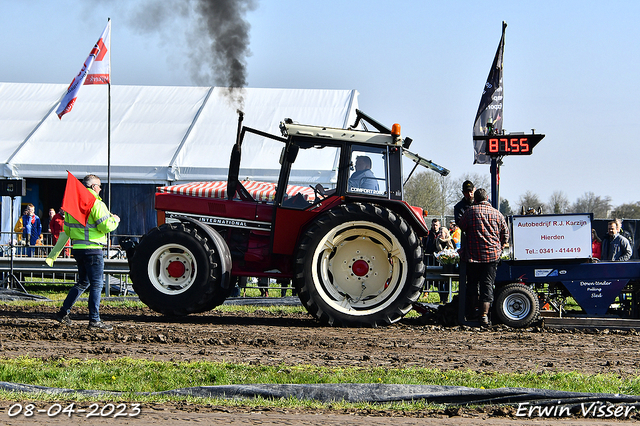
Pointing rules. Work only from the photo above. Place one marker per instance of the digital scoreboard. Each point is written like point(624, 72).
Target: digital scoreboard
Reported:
point(511, 144)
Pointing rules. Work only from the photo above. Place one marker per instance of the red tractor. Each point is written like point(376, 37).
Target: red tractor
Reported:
point(351, 246)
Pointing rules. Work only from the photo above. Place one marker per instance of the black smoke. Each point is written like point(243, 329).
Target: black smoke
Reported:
point(225, 47)
point(214, 34)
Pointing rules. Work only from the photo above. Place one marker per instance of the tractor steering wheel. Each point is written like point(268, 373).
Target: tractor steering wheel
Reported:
point(318, 191)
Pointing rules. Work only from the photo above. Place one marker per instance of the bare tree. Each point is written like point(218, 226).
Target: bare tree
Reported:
point(479, 181)
point(505, 208)
point(627, 211)
point(450, 198)
point(558, 203)
point(530, 200)
point(426, 190)
point(438, 194)
point(592, 203)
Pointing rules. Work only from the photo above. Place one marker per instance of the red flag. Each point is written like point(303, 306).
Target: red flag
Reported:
point(77, 200)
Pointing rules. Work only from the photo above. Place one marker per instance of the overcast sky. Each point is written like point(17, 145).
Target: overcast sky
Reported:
point(570, 70)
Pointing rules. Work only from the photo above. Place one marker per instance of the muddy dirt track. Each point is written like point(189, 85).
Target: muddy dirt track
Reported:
point(263, 338)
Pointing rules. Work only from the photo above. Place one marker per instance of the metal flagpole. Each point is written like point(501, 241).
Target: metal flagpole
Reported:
point(107, 286)
point(109, 127)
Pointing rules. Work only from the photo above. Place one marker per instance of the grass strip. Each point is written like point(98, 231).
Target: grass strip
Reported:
point(135, 375)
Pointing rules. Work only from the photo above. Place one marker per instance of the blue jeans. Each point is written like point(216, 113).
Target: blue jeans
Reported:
point(90, 275)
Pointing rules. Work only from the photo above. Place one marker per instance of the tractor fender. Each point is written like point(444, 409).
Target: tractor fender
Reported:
point(401, 208)
point(220, 245)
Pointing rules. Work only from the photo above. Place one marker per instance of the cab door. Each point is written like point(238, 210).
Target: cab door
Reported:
point(307, 187)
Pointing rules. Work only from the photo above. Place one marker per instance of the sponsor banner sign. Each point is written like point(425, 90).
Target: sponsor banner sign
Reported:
point(550, 237)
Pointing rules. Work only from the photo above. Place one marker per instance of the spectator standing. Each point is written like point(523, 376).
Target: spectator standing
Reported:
point(456, 233)
point(487, 234)
point(444, 240)
point(623, 232)
point(615, 247)
point(284, 285)
point(263, 286)
point(19, 227)
point(52, 213)
point(56, 225)
point(32, 228)
point(467, 201)
point(430, 244)
point(87, 242)
point(596, 245)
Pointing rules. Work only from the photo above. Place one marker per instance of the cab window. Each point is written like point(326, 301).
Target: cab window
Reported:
point(368, 172)
point(313, 176)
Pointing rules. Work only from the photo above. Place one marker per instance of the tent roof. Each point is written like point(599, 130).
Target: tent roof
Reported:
point(158, 134)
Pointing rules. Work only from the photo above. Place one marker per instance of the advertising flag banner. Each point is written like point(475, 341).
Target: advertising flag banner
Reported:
point(489, 117)
point(96, 67)
point(101, 68)
point(551, 237)
point(77, 200)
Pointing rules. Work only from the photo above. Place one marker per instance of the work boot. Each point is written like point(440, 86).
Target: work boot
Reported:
point(99, 325)
point(484, 318)
point(62, 318)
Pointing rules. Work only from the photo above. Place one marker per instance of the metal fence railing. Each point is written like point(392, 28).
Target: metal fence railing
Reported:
point(33, 269)
point(29, 264)
point(45, 244)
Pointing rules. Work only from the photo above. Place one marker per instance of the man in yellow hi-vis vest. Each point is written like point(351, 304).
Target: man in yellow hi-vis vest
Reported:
point(87, 242)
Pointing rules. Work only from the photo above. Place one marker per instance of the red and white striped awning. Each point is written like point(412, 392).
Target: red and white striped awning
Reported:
point(260, 191)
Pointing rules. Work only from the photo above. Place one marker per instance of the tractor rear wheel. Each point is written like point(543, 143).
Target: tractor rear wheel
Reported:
point(359, 265)
point(176, 270)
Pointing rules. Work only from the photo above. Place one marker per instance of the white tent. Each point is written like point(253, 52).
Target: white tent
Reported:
point(159, 135)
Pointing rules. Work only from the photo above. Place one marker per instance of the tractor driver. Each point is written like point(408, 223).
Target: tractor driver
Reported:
point(363, 177)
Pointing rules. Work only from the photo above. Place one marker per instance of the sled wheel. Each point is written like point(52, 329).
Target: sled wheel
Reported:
point(359, 265)
point(176, 271)
point(517, 305)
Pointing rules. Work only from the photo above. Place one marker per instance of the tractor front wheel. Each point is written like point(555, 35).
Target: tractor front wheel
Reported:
point(176, 270)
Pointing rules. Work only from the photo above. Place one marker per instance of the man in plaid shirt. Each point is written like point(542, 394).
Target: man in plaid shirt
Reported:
point(487, 233)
